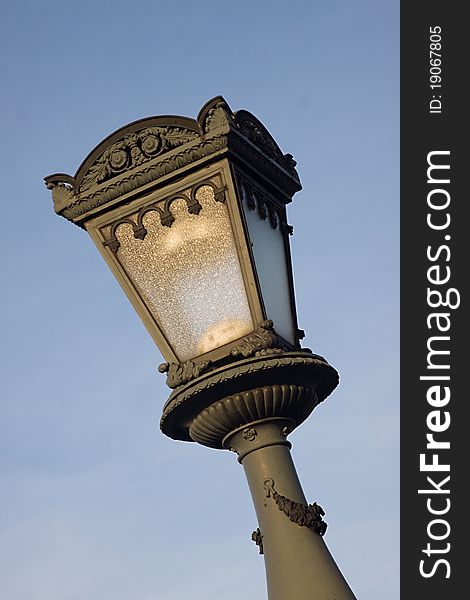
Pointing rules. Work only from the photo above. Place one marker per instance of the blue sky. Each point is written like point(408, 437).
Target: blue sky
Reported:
point(95, 502)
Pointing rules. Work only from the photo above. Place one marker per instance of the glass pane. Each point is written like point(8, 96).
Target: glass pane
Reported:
point(271, 264)
point(189, 275)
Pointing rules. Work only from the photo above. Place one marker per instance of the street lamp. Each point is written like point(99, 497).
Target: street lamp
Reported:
point(190, 215)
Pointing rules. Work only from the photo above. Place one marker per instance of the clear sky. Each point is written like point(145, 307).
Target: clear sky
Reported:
point(95, 502)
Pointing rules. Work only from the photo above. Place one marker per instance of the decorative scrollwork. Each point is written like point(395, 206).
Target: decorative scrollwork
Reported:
point(259, 135)
point(62, 194)
point(135, 149)
point(80, 203)
point(249, 434)
point(142, 152)
point(179, 374)
point(302, 514)
point(264, 340)
point(258, 539)
point(218, 116)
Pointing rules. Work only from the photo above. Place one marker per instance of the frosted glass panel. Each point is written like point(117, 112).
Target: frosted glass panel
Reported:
point(270, 259)
point(189, 276)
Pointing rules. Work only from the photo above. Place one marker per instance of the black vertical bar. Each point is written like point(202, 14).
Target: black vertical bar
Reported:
point(434, 292)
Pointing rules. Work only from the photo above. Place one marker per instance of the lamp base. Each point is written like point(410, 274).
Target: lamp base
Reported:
point(286, 385)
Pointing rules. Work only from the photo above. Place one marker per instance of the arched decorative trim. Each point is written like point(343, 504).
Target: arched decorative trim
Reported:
point(219, 192)
point(193, 205)
point(163, 208)
point(162, 122)
point(141, 214)
point(112, 242)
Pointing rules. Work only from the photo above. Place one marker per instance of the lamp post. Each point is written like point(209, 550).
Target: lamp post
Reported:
point(190, 215)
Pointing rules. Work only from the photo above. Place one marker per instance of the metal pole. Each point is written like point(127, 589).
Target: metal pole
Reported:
point(298, 563)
